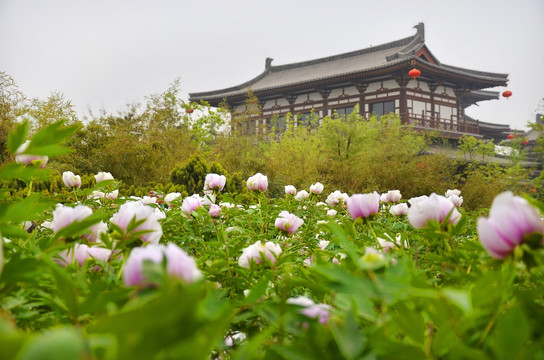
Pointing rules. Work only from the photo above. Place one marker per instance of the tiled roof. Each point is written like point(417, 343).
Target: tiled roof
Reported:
point(360, 61)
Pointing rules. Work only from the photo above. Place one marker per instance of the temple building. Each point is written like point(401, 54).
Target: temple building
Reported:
point(377, 80)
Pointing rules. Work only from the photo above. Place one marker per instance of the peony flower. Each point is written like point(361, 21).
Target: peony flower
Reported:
point(138, 211)
point(81, 252)
point(336, 197)
point(226, 205)
point(101, 176)
point(316, 188)
point(332, 212)
point(65, 215)
point(190, 204)
point(311, 309)
point(399, 209)
point(456, 200)
point(290, 190)
point(288, 222)
point(253, 253)
point(435, 207)
point(257, 182)
point(391, 196)
point(236, 338)
point(178, 264)
point(302, 195)
point(215, 211)
point(453, 192)
point(101, 195)
point(511, 219)
point(363, 205)
point(415, 200)
point(169, 198)
point(147, 200)
point(215, 182)
point(26, 159)
point(69, 179)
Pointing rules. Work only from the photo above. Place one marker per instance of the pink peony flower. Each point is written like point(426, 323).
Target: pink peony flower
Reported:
point(190, 204)
point(290, 190)
point(178, 264)
point(81, 252)
point(435, 207)
point(363, 205)
point(214, 182)
point(65, 215)
point(288, 222)
point(257, 182)
point(138, 211)
point(511, 218)
point(253, 253)
point(215, 211)
point(311, 309)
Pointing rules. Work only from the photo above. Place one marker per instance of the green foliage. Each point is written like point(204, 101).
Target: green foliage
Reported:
point(435, 294)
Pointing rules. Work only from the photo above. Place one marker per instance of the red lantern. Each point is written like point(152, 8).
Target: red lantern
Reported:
point(414, 73)
point(507, 94)
point(510, 136)
point(189, 110)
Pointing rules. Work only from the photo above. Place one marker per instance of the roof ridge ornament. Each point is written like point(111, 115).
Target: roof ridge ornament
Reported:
point(409, 50)
point(268, 63)
point(420, 34)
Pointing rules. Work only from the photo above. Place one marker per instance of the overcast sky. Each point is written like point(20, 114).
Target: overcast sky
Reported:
point(107, 53)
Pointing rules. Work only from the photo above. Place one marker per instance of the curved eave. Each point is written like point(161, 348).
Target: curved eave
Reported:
point(479, 79)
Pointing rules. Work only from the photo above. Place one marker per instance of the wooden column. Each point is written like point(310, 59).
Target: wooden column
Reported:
point(361, 87)
point(402, 79)
point(433, 85)
point(459, 91)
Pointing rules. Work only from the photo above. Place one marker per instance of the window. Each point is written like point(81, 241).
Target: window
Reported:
point(344, 111)
point(306, 119)
point(383, 108)
point(278, 122)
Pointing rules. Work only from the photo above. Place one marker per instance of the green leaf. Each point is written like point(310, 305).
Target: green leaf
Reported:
point(17, 137)
point(26, 173)
point(58, 344)
point(47, 141)
point(258, 290)
point(348, 336)
point(25, 209)
point(512, 334)
point(461, 298)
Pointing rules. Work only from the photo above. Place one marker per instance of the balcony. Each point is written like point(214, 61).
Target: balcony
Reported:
point(447, 128)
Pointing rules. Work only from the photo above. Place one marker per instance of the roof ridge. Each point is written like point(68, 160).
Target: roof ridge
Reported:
point(270, 68)
point(389, 45)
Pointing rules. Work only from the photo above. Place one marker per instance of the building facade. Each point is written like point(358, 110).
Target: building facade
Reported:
point(376, 79)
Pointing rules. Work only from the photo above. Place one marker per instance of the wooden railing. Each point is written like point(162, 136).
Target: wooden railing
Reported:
point(441, 124)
